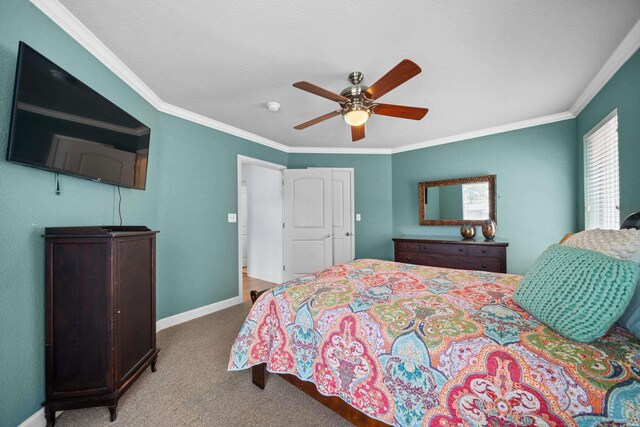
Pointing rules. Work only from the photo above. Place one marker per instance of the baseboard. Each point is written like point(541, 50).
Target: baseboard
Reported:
point(38, 419)
point(170, 321)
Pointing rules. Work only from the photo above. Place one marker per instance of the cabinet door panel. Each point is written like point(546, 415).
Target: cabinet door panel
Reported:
point(134, 311)
point(78, 322)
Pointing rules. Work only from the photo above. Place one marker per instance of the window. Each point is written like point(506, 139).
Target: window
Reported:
point(601, 177)
point(475, 201)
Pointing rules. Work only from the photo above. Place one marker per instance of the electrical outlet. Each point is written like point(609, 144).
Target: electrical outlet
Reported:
point(358, 217)
point(232, 217)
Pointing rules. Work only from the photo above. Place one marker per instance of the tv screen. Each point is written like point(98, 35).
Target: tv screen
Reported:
point(60, 124)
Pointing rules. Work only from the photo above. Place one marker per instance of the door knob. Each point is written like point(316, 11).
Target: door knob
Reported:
point(350, 234)
point(327, 235)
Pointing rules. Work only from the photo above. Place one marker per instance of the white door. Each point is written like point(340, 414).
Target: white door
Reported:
point(307, 221)
point(243, 220)
point(342, 216)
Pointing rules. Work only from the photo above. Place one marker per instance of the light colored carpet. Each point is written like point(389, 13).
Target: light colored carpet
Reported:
point(193, 388)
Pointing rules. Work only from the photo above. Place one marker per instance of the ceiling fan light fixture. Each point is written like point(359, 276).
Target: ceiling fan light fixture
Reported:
point(356, 117)
point(358, 102)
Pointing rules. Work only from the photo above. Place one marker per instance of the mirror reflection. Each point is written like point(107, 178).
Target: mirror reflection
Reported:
point(457, 201)
point(462, 201)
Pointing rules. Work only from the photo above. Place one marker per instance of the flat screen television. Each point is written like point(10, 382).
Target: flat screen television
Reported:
point(60, 124)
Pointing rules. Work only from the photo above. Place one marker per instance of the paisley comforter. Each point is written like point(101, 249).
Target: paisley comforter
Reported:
point(413, 345)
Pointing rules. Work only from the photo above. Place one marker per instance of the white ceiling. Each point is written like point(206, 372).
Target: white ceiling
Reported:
point(485, 63)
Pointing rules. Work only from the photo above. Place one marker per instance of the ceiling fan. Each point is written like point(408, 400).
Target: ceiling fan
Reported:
point(358, 102)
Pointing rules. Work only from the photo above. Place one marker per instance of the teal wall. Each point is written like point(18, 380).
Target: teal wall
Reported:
point(29, 204)
point(621, 92)
point(372, 197)
point(536, 185)
point(432, 207)
point(197, 248)
point(451, 202)
point(190, 189)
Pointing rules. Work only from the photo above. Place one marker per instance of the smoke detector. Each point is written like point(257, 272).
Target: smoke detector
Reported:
point(273, 106)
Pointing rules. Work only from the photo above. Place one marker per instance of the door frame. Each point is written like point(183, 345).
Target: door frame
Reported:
point(353, 203)
point(256, 162)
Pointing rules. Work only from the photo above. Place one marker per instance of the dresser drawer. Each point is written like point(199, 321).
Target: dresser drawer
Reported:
point(485, 251)
point(444, 261)
point(410, 257)
point(448, 261)
point(482, 264)
point(432, 260)
point(445, 249)
point(408, 246)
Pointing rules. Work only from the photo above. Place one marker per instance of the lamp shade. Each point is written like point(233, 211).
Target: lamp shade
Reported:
point(356, 117)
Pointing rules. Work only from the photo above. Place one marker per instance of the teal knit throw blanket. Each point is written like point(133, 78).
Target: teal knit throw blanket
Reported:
point(577, 292)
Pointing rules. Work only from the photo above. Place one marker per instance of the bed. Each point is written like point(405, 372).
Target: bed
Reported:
point(389, 343)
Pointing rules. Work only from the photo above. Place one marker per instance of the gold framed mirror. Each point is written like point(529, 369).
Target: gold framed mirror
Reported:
point(457, 201)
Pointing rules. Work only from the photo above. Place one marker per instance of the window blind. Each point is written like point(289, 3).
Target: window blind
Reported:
point(601, 175)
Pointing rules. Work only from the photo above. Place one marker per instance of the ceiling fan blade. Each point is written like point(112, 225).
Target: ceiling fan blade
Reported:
point(357, 133)
point(317, 90)
point(317, 120)
point(402, 111)
point(399, 74)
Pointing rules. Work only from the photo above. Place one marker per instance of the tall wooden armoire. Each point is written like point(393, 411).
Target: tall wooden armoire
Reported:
point(100, 314)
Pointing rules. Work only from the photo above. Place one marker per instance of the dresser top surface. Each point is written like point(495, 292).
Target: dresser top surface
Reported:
point(449, 239)
point(97, 231)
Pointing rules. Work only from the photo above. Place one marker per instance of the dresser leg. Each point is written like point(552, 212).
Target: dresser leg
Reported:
point(113, 412)
point(153, 365)
point(50, 416)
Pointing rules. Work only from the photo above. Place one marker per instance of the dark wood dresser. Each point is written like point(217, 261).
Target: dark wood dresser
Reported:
point(100, 314)
point(452, 252)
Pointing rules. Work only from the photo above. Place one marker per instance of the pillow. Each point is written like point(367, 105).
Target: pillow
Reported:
point(621, 244)
point(576, 292)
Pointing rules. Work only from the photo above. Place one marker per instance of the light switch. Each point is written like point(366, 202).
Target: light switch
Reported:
point(232, 217)
point(358, 218)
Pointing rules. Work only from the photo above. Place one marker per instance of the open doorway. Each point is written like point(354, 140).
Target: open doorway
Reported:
point(259, 225)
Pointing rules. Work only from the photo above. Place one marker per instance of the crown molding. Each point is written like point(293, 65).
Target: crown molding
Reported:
point(623, 52)
point(339, 150)
point(488, 131)
point(61, 16)
point(223, 127)
point(76, 29)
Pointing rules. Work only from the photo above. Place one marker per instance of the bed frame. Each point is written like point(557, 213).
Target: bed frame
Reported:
point(339, 406)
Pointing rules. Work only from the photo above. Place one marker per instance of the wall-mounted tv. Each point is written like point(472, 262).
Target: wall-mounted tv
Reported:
point(60, 124)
